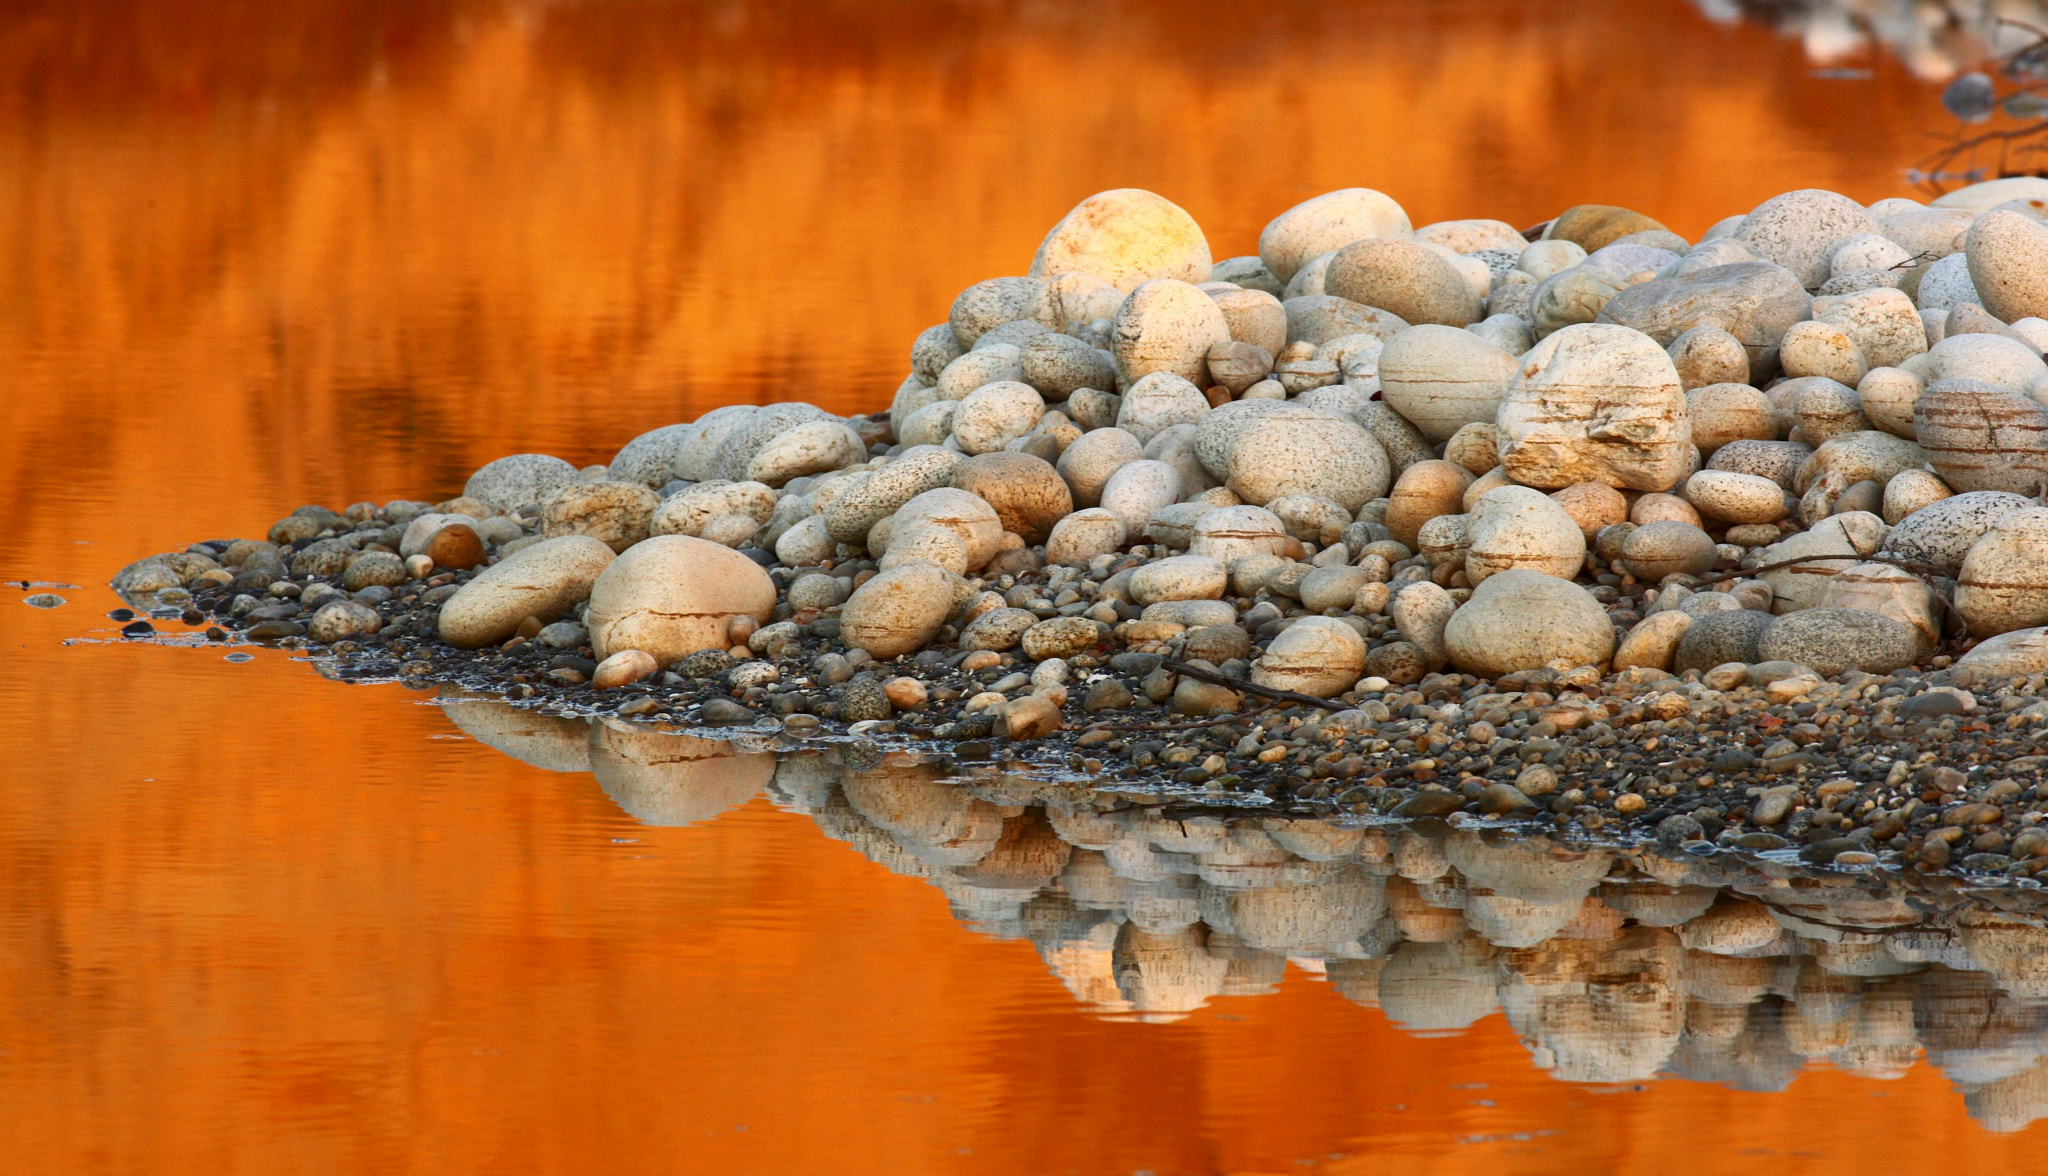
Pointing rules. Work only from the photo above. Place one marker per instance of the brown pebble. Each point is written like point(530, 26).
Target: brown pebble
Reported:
point(455, 546)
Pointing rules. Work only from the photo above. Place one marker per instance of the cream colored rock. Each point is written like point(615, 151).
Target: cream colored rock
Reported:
point(1895, 592)
point(2003, 585)
point(1707, 355)
point(1815, 348)
point(899, 610)
point(989, 304)
point(1158, 402)
point(1824, 408)
point(996, 414)
point(732, 530)
point(1593, 506)
point(1662, 508)
point(1028, 494)
point(1166, 326)
point(977, 524)
point(1569, 297)
point(1473, 236)
point(930, 425)
point(1326, 223)
point(1911, 490)
point(1655, 550)
point(1943, 532)
point(1518, 527)
point(1486, 484)
point(1138, 490)
point(1476, 447)
point(2016, 654)
point(623, 668)
point(1254, 318)
point(988, 364)
point(1420, 613)
point(1404, 279)
point(1983, 436)
point(1310, 518)
point(1305, 451)
point(2008, 259)
point(1801, 230)
point(1237, 366)
point(1523, 620)
point(1541, 259)
point(1445, 539)
point(1322, 656)
point(1181, 577)
point(1722, 413)
point(1083, 535)
point(1883, 322)
point(1887, 396)
point(1732, 498)
point(1441, 378)
point(805, 450)
point(1653, 642)
point(1992, 358)
point(1233, 532)
point(1126, 237)
point(674, 595)
point(519, 482)
point(1596, 403)
point(1858, 457)
point(1424, 491)
point(1829, 547)
point(1073, 299)
point(544, 580)
point(617, 513)
point(1404, 444)
point(870, 497)
point(1088, 463)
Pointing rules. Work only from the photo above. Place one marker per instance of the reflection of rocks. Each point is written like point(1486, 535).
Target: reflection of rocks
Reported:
point(1611, 965)
point(1934, 38)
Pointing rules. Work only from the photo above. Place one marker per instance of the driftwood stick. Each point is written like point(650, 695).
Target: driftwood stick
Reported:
point(1239, 684)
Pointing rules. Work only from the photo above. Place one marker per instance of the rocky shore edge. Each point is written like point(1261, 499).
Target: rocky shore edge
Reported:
point(1604, 530)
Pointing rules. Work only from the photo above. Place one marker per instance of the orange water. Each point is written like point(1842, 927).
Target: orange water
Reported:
point(256, 254)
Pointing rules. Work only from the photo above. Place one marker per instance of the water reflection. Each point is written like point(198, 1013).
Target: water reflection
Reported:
point(1611, 965)
point(1936, 39)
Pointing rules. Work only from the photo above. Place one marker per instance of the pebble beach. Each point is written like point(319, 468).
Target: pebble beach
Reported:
point(1733, 544)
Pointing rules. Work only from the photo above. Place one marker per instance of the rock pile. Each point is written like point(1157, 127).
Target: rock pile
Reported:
point(1593, 459)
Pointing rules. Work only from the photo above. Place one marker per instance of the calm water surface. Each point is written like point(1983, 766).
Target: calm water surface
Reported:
point(251, 921)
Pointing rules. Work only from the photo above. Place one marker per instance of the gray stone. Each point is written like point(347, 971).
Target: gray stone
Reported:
point(1717, 638)
point(1836, 640)
point(1756, 302)
point(1942, 533)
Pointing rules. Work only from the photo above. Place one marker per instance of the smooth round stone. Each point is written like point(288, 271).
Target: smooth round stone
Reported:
point(1219, 429)
point(1656, 550)
point(1780, 461)
point(699, 451)
point(1257, 321)
point(1576, 295)
point(624, 668)
point(1321, 656)
point(1991, 358)
point(990, 364)
point(1058, 365)
point(1420, 613)
point(1718, 638)
point(1191, 613)
point(414, 539)
point(687, 511)
point(922, 542)
point(1801, 230)
point(988, 304)
point(518, 483)
point(808, 541)
point(1174, 526)
point(1706, 356)
point(1404, 279)
point(1027, 493)
point(618, 514)
point(544, 580)
point(1755, 301)
point(1662, 508)
point(930, 425)
point(1089, 462)
point(453, 545)
point(1830, 546)
point(342, 620)
point(2008, 261)
point(1232, 532)
point(1181, 577)
point(1895, 592)
point(674, 595)
point(1548, 257)
point(934, 348)
point(1521, 620)
point(1422, 492)
point(1166, 326)
point(996, 414)
point(2016, 654)
point(805, 450)
point(1596, 403)
point(974, 521)
point(1305, 451)
point(899, 610)
point(1835, 640)
point(1332, 587)
point(871, 497)
point(1728, 497)
point(650, 459)
point(1910, 491)
point(1594, 506)
point(1596, 226)
point(1326, 223)
point(1126, 237)
point(998, 629)
point(1316, 319)
point(1883, 322)
point(1945, 284)
point(1445, 539)
point(1475, 447)
point(1653, 642)
point(745, 441)
point(1981, 436)
point(1519, 527)
point(1158, 402)
point(1310, 518)
point(1138, 490)
point(2003, 583)
point(1886, 396)
point(1441, 378)
point(1825, 407)
point(1083, 535)
point(1062, 637)
point(374, 568)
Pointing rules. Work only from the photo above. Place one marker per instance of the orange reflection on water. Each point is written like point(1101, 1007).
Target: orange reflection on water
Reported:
point(258, 254)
